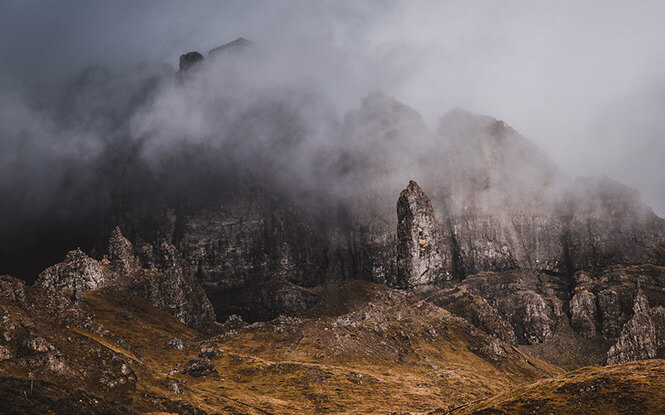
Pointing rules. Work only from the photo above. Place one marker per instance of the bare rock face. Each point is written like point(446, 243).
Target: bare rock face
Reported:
point(76, 274)
point(251, 239)
point(489, 348)
point(603, 301)
point(186, 63)
point(421, 257)
point(169, 285)
point(121, 254)
point(5, 353)
point(611, 225)
point(658, 319)
point(189, 59)
point(531, 302)
point(594, 309)
point(637, 340)
point(538, 321)
point(175, 343)
point(499, 192)
point(476, 310)
point(173, 289)
point(584, 313)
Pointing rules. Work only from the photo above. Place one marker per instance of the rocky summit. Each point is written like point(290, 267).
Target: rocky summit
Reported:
point(262, 255)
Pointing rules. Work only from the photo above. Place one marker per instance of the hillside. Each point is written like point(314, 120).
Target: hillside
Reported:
point(630, 388)
point(385, 351)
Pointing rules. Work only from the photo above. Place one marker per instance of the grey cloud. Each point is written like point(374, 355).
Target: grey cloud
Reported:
point(582, 80)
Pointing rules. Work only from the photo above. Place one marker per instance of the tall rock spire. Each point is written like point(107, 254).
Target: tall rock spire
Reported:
point(422, 257)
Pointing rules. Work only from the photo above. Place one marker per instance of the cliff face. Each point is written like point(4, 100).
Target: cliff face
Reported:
point(637, 340)
point(254, 237)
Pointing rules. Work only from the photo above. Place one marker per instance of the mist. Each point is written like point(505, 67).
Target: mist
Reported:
point(89, 86)
point(582, 80)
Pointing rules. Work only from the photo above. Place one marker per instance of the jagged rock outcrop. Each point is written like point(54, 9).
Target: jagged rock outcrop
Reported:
point(70, 278)
point(583, 313)
point(532, 302)
point(658, 319)
point(602, 301)
point(189, 59)
point(421, 250)
point(168, 283)
point(120, 254)
point(476, 310)
point(637, 340)
point(175, 343)
point(186, 63)
point(173, 289)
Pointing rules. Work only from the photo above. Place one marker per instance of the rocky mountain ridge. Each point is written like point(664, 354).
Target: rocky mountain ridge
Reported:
point(224, 210)
point(518, 306)
point(267, 210)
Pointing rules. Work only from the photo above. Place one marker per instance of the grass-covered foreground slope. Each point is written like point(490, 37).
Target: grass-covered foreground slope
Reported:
point(375, 350)
point(629, 388)
point(364, 349)
point(20, 395)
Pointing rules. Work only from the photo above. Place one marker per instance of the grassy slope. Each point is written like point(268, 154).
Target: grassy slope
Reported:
point(371, 350)
point(630, 388)
point(27, 396)
point(367, 349)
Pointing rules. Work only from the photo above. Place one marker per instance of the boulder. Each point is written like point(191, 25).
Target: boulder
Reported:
point(199, 367)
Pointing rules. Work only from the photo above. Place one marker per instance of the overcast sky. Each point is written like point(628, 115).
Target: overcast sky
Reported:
point(584, 80)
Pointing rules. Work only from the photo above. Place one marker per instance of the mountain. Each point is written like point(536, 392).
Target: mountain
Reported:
point(344, 259)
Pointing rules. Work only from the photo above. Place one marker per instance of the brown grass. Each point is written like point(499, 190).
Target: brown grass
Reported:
point(631, 388)
point(370, 351)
